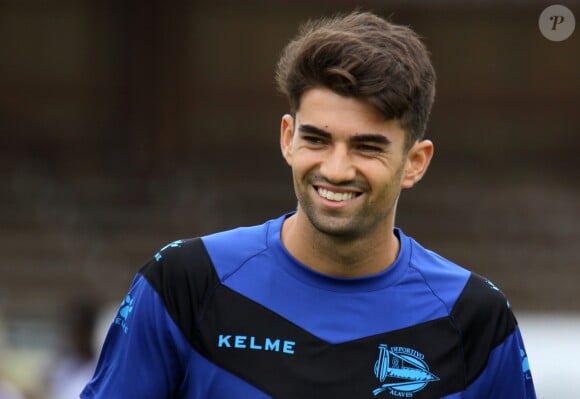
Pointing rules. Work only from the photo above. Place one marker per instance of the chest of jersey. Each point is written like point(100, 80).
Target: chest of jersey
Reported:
point(285, 361)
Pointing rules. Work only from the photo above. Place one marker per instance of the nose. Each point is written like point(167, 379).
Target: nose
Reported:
point(337, 166)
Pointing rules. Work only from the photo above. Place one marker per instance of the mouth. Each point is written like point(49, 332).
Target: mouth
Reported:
point(336, 196)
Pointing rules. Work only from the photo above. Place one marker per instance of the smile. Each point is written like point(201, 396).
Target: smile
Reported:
point(333, 196)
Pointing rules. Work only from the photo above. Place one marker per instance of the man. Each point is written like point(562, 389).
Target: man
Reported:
point(330, 301)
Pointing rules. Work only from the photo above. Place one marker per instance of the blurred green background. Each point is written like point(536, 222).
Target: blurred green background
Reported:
point(127, 124)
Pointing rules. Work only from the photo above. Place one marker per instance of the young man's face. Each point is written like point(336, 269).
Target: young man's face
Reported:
point(348, 163)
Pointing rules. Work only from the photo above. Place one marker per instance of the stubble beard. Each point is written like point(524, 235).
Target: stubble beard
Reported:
point(336, 225)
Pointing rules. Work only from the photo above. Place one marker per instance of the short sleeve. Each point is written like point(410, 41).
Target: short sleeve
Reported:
point(507, 373)
point(142, 356)
point(495, 357)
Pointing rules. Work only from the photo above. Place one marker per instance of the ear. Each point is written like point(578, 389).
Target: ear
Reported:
point(418, 159)
point(286, 136)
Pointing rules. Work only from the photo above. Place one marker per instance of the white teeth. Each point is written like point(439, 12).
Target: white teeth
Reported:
point(330, 195)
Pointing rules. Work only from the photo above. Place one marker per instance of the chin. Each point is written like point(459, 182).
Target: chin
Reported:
point(337, 229)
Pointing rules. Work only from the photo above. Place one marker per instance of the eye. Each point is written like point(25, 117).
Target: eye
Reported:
point(313, 139)
point(369, 148)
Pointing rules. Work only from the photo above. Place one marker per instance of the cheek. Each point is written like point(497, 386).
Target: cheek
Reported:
point(299, 170)
point(302, 160)
point(387, 180)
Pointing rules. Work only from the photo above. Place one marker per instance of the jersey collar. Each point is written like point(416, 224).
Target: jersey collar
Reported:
point(390, 276)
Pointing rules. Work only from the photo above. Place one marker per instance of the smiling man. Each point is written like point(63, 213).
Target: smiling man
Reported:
point(331, 300)
point(349, 164)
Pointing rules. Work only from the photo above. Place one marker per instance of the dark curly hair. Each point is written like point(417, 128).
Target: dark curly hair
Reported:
point(364, 56)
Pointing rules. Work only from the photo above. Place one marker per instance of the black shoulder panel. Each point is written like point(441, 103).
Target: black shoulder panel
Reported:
point(183, 276)
point(483, 316)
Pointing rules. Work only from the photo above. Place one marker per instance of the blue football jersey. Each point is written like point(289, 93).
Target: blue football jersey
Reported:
point(234, 315)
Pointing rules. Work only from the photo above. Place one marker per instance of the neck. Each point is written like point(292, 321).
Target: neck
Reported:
point(339, 256)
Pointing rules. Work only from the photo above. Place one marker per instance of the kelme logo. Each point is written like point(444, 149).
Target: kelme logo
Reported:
point(401, 371)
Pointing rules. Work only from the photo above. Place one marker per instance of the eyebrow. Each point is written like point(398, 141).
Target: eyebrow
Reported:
point(314, 130)
point(358, 138)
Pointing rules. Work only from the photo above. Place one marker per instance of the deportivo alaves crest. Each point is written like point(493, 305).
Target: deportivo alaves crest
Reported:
point(401, 371)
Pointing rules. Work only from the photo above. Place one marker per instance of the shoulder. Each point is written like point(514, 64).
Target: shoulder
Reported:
point(468, 296)
point(185, 273)
point(483, 309)
point(203, 261)
point(182, 274)
point(477, 308)
point(231, 249)
point(444, 278)
point(177, 259)
point(484, 319)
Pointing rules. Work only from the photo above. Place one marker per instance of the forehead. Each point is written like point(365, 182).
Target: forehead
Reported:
point(342, 115)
